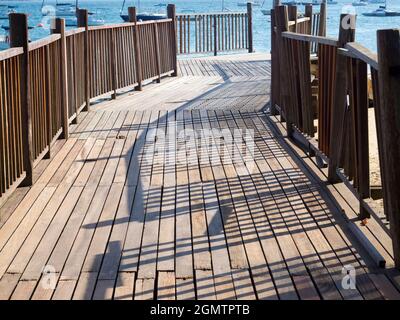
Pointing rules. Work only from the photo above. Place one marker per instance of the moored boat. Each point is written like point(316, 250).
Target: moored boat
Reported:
point(266, 12)
point(360, 3)
point(143, 16)
point(254, 3)
point(382, 12)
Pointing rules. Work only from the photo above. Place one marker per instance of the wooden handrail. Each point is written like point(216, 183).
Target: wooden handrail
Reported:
point(128, 24)
point(310, 38)
point(358, 51)
point(10, 53)
point(211, 13)
point(74, 31)
point(44, 42)
point(299, 20)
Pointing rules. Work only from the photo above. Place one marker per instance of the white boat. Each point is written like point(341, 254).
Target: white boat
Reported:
point(67, 10)
point(141, 16)
point(382, 12)
point(265, 11)
point(63, 9)
point(254, 3)
point(92, 21)
point(360, 3)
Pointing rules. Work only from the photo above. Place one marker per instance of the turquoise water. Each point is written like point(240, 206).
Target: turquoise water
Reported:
point(109, 11)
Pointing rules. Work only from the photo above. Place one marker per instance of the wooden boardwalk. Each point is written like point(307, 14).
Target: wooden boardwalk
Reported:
point(126, 209)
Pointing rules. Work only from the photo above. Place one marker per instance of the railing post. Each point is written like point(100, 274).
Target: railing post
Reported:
point(346, 34)
point(82, 17)
point(113, 58)
point(322, 20)
point(309, 14)
point(19, 38)
point(292, 13)
point(59, 27)
point(136, 39)
point(274, 67)
point(157, 51)
point(171, 12)
point(360, 114)
point(250, 25)
point(282, 25)
point(48, 103)
point(215, 36)
point(389, 119)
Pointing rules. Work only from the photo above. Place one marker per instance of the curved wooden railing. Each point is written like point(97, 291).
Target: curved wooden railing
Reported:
point(325, 99)
point(45, 84)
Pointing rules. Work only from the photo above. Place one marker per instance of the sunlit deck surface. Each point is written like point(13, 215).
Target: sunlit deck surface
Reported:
point(111, 216)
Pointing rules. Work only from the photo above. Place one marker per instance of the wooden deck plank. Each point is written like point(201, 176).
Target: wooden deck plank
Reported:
point(102, 231)
point(8, 283)
point(144, 289)
point(76, 257)
point(185, 289)
point(65, 290)
point(149, 247)
point(124, 287)
point(243, 286)
point(24, 290)
point(205, 289)
point(166, 285)
point(183, 236)
point(44, 249)
point(85, 286)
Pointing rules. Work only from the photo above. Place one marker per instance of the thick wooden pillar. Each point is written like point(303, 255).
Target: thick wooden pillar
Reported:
point(250, 25)
point(282, 25)
point(82, 16)
point(59, 27)
point(346, 34)
point(171, 12)
point(215, 36)
point(389, 119)
point(136, 39)
point(157, 51)
point(19, 37)
point(322, 20)
point(309, 14)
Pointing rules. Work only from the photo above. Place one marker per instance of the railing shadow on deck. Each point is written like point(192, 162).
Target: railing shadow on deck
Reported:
point(151, 200)
point(185, 246)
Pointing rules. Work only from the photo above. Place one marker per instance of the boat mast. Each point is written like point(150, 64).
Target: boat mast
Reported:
point(122, 9)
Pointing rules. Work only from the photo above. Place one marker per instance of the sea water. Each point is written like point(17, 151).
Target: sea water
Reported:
point(109, 10)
